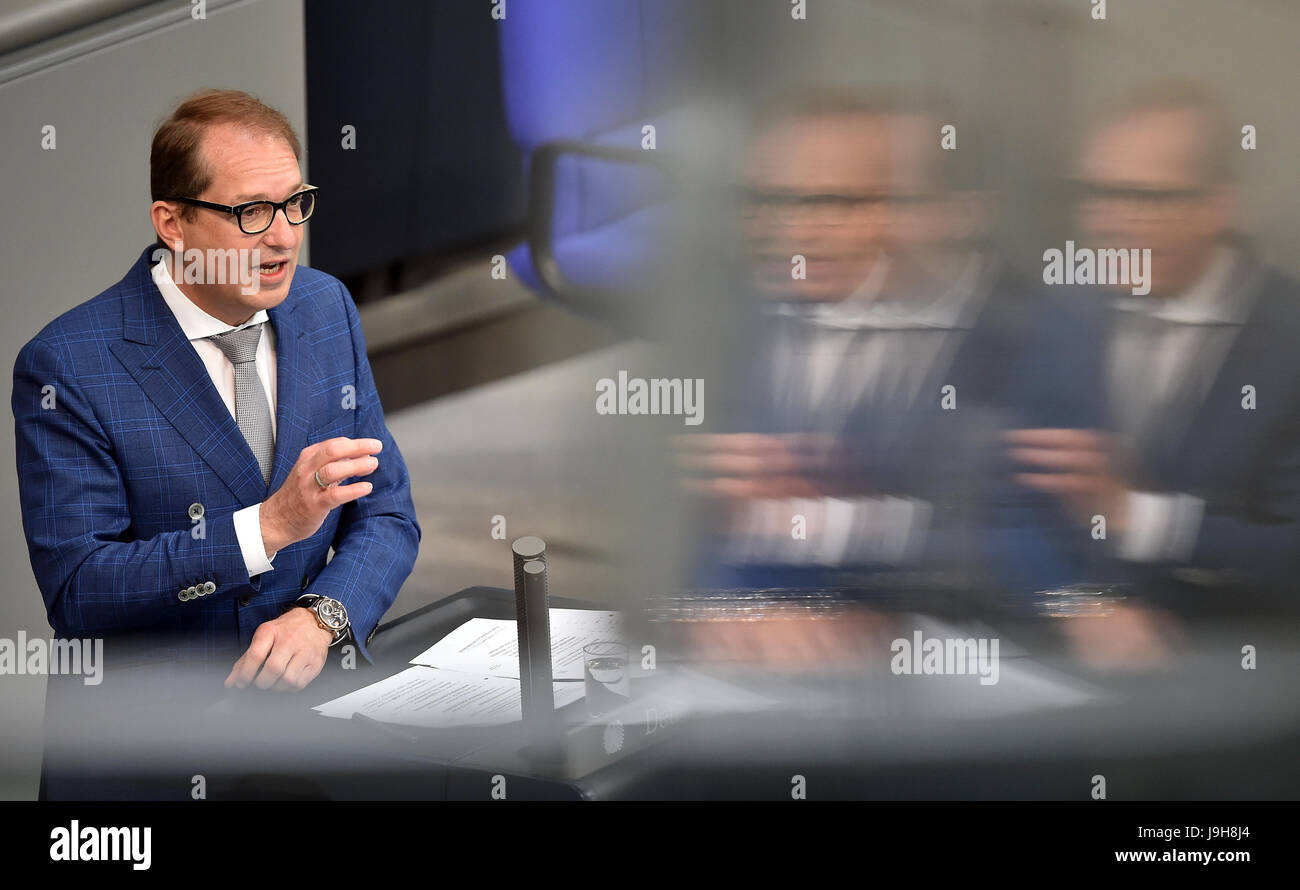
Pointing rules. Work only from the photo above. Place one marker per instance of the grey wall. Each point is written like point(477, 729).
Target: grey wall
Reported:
point(76, 217)
point(1029, 71)
point(25, 22)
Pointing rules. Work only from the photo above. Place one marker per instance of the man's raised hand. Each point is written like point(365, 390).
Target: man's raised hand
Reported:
point(299, 507)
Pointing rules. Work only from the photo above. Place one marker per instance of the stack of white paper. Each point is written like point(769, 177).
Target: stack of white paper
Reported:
point(425, 696)
point(490, 646)
point(471, 676)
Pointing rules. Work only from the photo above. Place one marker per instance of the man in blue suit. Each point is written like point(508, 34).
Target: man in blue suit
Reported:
point(186, 440)
point(1200, 478)
point(884, 377)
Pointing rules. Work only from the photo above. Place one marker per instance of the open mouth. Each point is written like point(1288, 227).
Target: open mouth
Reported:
point(272, 269)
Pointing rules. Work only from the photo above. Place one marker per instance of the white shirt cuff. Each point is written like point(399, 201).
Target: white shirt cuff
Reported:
point(1161, 527)
point(885, 529)
point(839, 531)
point(248, 530)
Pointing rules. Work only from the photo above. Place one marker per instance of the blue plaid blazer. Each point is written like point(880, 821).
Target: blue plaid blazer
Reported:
point(122, 440)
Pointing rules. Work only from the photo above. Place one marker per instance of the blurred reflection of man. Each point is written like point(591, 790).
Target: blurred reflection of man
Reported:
point(886, 374)
point(1201, 482)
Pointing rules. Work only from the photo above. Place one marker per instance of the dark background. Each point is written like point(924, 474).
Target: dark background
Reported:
point(439, 174)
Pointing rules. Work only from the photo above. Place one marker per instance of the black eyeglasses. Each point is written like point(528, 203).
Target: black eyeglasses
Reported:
point(821, 207)
point(255, 217)
point(1087, 191)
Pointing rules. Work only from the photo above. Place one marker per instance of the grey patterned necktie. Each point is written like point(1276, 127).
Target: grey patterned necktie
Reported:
point(252, 411)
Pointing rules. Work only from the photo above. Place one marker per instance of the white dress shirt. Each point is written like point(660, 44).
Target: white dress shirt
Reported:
point(197, 325)
point(841, 356)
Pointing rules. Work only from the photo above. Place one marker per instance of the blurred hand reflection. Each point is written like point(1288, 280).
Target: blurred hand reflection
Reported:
point(755, 465)
point(1129, 638)
point(789, 641)
point(1076, 466)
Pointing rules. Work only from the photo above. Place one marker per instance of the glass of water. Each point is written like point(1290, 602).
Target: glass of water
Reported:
point(605, 674)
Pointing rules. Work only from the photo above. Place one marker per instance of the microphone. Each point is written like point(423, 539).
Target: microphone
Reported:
point(533, 620)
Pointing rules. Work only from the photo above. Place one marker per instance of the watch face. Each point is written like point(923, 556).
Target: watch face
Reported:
point(332, 613)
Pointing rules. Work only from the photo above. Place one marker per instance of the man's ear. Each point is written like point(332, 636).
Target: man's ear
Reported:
point(166, 223)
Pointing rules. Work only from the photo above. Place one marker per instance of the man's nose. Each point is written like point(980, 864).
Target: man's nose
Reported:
point(281, 234)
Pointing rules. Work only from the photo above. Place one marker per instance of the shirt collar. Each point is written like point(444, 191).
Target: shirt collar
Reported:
point(1211, 299)
point(195, 323)
point(864, 309)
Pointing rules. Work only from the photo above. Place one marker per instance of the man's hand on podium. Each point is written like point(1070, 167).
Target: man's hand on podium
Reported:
point(291, 650)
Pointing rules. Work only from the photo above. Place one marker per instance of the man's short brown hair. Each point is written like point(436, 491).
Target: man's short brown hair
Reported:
point(177, 168)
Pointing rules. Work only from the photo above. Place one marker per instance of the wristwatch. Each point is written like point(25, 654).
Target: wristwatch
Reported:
point(330, 614)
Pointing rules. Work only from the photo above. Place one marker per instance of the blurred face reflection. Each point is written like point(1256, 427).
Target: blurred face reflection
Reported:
point(928, 228)
point(815, 185)
point(1144, 185)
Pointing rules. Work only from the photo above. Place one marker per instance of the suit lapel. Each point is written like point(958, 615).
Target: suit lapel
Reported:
point(156, 353)
point(1219, 416)
point(296, 373)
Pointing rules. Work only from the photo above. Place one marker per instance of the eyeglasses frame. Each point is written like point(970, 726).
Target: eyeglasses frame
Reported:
point(237, 210)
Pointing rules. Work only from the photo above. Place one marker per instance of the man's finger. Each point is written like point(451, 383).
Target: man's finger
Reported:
point(286, 681)
point(1058, 483)
point(343, 448)
point(337, 471)
point(342, 494)
point(310, 671)
point(776, 463)
point(273, 669)
point(809, 443)
point(729, 443)
point(768, 487)
point(292, 679)
point(1081, 461)
point(725, 464)
point(1056, 438)
point(246, 667)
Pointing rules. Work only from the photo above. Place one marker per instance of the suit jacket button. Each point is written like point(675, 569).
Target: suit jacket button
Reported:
point(209, 587)
point(245, 600)
point(196, 511)
point(184, 595)
point(193, 592)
